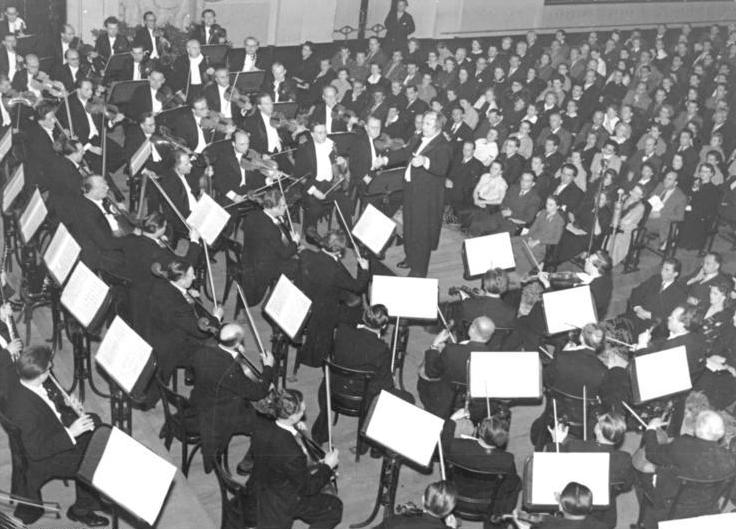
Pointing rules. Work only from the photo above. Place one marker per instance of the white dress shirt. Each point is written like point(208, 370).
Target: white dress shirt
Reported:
point(276, 85)
point(112, 44)
point(249, 63)
point(191, 199)
point(201, 142)
point(328, 119)
point(274, 140)
point(109, 217)
point(155, 155)
point(194, 76)
point(225, 105)
point(93, 131)
point(154, 50)
point(136, 71)
point(207, 32)
point(156, 105)
point(5, 114)
point(425, 142)
point(64, 48)
point(12, 64)
point(44, 396)
point(324, 164)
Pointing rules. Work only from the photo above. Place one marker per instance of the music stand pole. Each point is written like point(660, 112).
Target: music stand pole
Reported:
point(387, 485)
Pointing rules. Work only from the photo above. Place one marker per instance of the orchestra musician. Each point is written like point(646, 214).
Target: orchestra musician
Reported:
point(9, 352)
point(5, 91)
point(326, 281)
point(189, 126)
point(12, 23)
point(151, 38)
point(280, 87)
point(319, 162)
point(283, 485)
point(363, 157)
point(54, 437)
point(326, 112)
point(438, 502)
point(249, 60)
point(428, 160)
point(231, 179)
point(110, 42)
point(27, 79)
point(651, 302)
point(141, 250)
point(148, 98)
point(41, 136)
point(65, 41)
point(134, 68)
point(265, 138)
point(64, 183)
point(10, 61)
point(174, 332)
point(269, 247)
point(182, 186)
point(224, 386)
point(136, 135)
point(190, 72)
point(72, 71)
point(219, 97)
point(209, 31)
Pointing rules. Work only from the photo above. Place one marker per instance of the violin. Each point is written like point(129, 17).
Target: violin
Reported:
point(96, 106)
point(472, 292)
point(385, 143)
point(315, 453)
point(241, 101)
point(557, 280)
point(166, 96)
point(216, 122)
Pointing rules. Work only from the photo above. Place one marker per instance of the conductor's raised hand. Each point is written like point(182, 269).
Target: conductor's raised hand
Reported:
point(267, 358)
point(81, 425)
point(332, 458)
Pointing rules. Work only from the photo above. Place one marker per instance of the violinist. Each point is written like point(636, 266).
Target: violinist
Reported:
point(13, 24)
point(136, 135)
point(438, 502)
point(318, 160)
point(174, 332)
point(269, 247)
point(6, 94)
point(249, 61)
point(225, 383)
point(65, 40)
point(232, 178)
point(110, 41)
point(9, 351)
point(72, 71)
point(190, 72)
point(363, 157)
point(149, 98)
point(151, 38)
point(190, 125)
point(280, 87)
point(223, 98)
point(31, 79)
point(134, 68)
point(265, 138)
point(65, 180)
point(141, 250)
point(41, 135)
point(209, 31)
point(326, 112)
point(182, 186)
point(283, 484)
point(10, 61)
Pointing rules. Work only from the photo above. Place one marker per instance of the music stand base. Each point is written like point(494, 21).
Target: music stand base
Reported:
point(387, 485)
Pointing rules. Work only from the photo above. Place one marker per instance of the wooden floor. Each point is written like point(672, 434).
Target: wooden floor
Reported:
point(195, 502)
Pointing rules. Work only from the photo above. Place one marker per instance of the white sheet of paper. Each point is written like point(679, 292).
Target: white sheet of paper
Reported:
point(569, 309)
point(404, 428)
point(656, 203)
point(711, 521)
point(209, 218)
point(374, 229)
point(505, 375)
point(33, 216)
point(489, 251)
point(61, 254)
point(552, 471)
point(84, 294)
point(651, 366)
point(287, 306)
point(140, 157)
point(406, 297)
point(13, 187)
point(133, 476)
point(123, 354)
point(6, 143)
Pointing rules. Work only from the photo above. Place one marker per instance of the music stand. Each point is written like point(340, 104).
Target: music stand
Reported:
point(343, 141)
point(215, 53)
point(387, 182)
point(287, 108)
point(13, 188)
point(45, 64)
point(165, 117)
point(248, 82)
point(28, 44)
point(121, 92)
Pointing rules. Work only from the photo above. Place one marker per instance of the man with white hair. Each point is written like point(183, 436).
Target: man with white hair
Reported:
point(698, 457)
point(191, 72)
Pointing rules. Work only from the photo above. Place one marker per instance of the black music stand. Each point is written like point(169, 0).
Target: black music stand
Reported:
point(215, 53)
point(248, 82)
point(45, 64)
point(343, 141)
point(165, 117)
point(388, 483)
point(121, 92)
point(28, 44)
point(287, 108)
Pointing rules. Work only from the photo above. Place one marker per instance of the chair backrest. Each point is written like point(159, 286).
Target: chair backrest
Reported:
point(477, 490)
point(348, 388)
point(697, 497)
point(571, 408)
point(233, 252)
point(235, 511)
point(17, 453)
point(175, 406)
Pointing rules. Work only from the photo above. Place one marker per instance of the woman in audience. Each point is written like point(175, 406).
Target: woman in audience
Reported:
point(342, 83)
point(704, 198)
point(717, 313)
point(631, 215)
point(376, 79)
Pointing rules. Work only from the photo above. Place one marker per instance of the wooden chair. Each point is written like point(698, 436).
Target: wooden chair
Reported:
point(178, 415)
point(470, 506)
point(235, 511)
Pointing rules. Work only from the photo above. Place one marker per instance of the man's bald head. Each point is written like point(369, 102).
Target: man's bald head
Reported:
point(709, 426)
point(481, 329)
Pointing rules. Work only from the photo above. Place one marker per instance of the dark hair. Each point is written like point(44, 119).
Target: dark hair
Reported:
point(148, 13)
point(717, 256)
point(153, 222)
point(44, 107)
point(554, 138)
point(613, 427)
point(576, 499)
point(690, 317)
point(569, 167)
point(439, 498)
point(175, 270)
point(602, 261)
point(111, 20)
point(376, 317)
point(494, 431)
point(335, 241)
point(280, 403)
point(260, 97)
point(33, 361)
point(144, 116)
point(271, 198)
point(496, 281)
point(208, 11)
point(676, 264)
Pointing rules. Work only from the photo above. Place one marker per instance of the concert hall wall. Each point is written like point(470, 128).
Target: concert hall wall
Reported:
point(289, 22)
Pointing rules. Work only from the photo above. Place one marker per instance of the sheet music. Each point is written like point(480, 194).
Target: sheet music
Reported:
point(61, 254)
point(711, 521)
point(33, 216)
point(404, 428)
point(209, 218)
point(552, 471)
point(650, 367)
point(6, 143)
point(568, 309)
point(13, 188)
point(133, 476)
point(656, 203)
point(407, 297)
point(84, 294)
point(487, 252)
point(123, 354)
point(505, 375)
point(140, 157)
point(374, 229)
point(287, 306)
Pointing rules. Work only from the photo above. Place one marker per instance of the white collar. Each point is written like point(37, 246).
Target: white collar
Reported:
point(289, 428)
point(230, 351)
point(374, 331)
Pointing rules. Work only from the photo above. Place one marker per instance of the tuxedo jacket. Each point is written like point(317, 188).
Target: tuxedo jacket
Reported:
point(216, 31)
point(256, 127)
point(674, 206)
point(236, 59)
point(55, 50)
point(143, 38)
point(38, 169)
point(184, 126)
point(102, 45)
point(570, 197)
point(522, 207)
point(659, 302)
point(180, 78)
point(140, 102)
point(319, 115)
point(570, 370)
point(125, 73)
point(79, 120)
point(92, 231)
point(359, 157)
point(286, 89)
point(5, 62)
point(173, 186)
point(359, 348)
point(64, 74)
point(227, 176)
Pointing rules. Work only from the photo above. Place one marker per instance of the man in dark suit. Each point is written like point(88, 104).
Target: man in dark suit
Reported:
point(446, 362)
point(135, 67)
point(699, 282)
point(64, 41)
point(465, 170)
point(209, 31)
point(569, 195)
point(189, 127)
point(53, 435)
point(248, 59)
point(375, 54)
point(264, 137)
point(518, 209)
point(363, 159)
point(72, 71)
point(414, 106)
point(399, 26)
point(231, 179)
point(551, 156)
point(378, 107)
point(219, 98)
point(490, 304)
point(190, 72)
point(10, 61)
point(673, 202)
point(65, 181)
point(279, 85)
point(183, 188)
point(147, 98)
point(94, 226)
point(149, 37)
point(689, 155)
point(654, 300)
point(647, 154)
point(513, 162)
point(428, 161)
point(325, 112)
point(110, 41)
point(458, 131)
point(269, 247)
point(136, 135)
point(697, 456)
point(41, 137)
point(224, 386)
point(357, 98)
point(555, 127)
